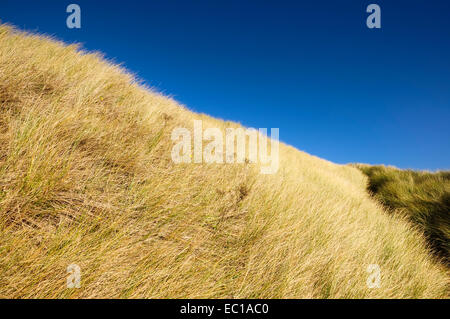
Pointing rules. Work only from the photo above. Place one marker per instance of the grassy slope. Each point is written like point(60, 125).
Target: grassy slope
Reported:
point(423, 197)
point(86, 178)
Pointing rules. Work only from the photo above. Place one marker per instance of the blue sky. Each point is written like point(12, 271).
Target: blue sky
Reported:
point(335, 88)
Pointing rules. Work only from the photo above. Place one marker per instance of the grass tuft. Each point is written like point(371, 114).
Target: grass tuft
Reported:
point(423, 197)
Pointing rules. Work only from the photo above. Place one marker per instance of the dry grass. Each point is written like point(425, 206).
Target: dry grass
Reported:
point(86, 178)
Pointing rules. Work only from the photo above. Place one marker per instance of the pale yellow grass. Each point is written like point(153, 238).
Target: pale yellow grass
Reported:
point(86, 177)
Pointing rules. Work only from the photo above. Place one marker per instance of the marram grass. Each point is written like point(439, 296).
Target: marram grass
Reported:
point(86, 178)
point(423, 197)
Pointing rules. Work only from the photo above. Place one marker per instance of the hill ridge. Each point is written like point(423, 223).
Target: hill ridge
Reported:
point(86, 178)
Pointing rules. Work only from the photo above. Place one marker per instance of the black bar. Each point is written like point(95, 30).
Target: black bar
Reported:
point(227, 308)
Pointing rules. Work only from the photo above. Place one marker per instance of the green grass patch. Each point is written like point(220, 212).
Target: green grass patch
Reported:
point(424, 197)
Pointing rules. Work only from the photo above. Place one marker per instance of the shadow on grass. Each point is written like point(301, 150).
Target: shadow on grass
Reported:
point(423, 197)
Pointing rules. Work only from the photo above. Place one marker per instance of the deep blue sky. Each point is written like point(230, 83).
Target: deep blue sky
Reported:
point(335, 88)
